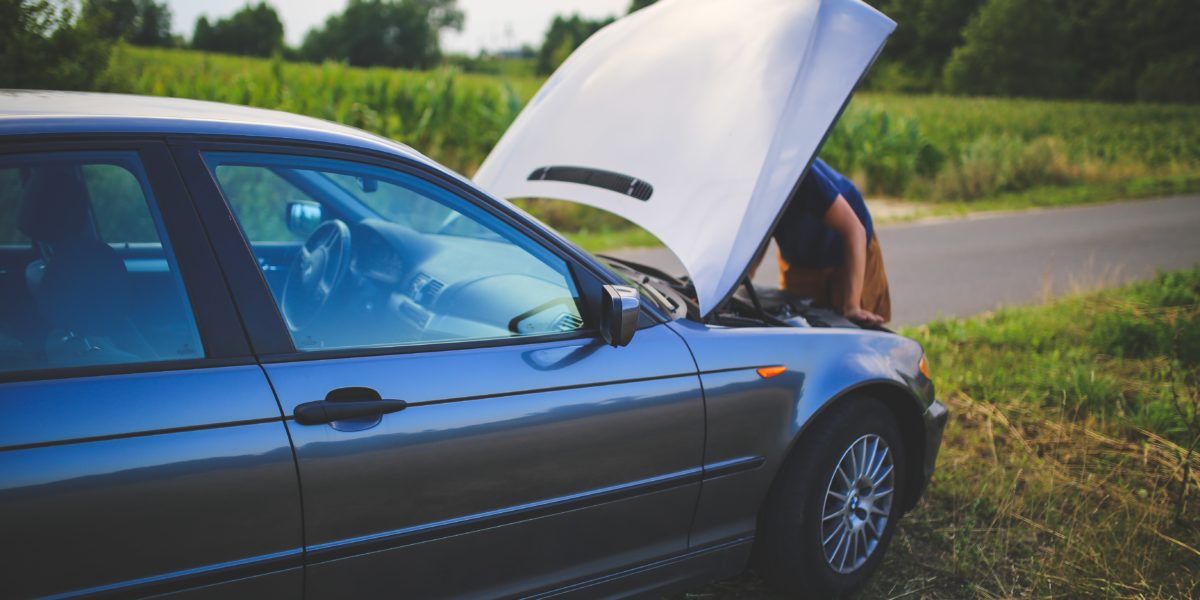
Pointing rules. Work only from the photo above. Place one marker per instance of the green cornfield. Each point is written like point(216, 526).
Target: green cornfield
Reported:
point(453, 117)
point(931, 148)
point(956, 148)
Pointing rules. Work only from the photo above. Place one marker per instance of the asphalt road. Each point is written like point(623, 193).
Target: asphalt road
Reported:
point(968, 266)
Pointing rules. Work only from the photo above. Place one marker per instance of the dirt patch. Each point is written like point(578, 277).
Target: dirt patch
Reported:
point(894, 210)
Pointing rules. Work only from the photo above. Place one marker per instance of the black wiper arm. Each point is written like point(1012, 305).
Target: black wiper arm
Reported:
point(663, 299)
point(754, 297)
point(643, 269)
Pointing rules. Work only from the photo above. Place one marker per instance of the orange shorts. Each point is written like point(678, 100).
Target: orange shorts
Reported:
point(821, 284)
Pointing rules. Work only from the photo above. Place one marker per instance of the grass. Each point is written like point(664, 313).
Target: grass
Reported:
point(1062, 470)
point(946, 155)
point(607, 239)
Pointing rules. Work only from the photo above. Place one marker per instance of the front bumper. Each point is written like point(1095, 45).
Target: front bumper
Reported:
point(935, 424)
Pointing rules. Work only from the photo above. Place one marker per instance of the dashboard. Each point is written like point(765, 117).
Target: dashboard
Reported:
point(404, 286)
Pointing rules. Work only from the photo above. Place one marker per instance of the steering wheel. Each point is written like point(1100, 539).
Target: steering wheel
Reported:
point(315, 273)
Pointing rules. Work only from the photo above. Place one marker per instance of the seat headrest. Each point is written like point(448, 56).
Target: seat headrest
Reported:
point(85, 288)
point(54, 204)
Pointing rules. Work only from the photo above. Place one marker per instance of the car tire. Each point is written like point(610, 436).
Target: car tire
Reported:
point(797, 548)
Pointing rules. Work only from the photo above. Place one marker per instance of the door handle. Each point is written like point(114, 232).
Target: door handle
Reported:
point(324, 411)
point(346, 403)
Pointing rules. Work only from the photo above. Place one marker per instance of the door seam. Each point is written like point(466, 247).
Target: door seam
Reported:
point(299, 487)
point(704, 439)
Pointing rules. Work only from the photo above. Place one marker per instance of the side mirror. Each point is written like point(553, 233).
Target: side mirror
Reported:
point(304, 217)
point(621, 307)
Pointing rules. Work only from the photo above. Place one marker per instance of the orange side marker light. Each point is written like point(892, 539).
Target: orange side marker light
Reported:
point(767, 372)
point(924, 366)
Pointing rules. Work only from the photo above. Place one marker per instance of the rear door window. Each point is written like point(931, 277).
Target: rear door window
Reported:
point(119, 205)
point(87, 276)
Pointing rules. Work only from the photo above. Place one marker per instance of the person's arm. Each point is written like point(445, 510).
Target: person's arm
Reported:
point(841, 218)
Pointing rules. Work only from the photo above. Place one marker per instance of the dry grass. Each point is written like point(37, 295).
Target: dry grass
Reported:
point(1026, 505)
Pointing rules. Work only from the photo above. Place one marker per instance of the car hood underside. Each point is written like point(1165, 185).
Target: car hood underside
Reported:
point(694, 119)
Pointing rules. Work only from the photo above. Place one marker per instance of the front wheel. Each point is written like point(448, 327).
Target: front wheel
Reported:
point(834, 507)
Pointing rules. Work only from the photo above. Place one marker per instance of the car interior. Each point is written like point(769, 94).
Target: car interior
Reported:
point(70, 297)
point(357, 258)
point(352, 261)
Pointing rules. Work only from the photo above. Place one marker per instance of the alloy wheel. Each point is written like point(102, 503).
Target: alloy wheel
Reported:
point(858, 503)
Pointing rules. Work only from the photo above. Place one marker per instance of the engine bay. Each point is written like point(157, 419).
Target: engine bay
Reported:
point(749, 306)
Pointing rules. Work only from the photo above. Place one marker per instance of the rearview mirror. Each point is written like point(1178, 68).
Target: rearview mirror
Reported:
point(621, 306)
point(304, 217)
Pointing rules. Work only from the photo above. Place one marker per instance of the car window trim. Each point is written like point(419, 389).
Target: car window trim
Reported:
point(268, 332)
point(428, 347)
point(133, 368)
point(211, 308)
point(259, 315)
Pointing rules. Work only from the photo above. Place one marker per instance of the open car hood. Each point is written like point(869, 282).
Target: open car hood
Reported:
point(693, 119)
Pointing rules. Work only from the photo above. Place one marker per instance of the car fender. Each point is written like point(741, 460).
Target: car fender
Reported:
point(754, 422)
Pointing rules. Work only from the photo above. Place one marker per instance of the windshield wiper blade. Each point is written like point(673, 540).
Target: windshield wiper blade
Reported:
point(662, 299)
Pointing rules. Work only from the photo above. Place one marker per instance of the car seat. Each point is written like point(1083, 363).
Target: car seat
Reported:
point(80, 284)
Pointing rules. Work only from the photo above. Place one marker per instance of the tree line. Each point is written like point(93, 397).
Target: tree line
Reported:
point(1119, 50)
point(58, 44)
point(1116, 50)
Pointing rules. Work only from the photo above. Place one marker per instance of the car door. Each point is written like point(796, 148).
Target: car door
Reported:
point(141, 450)
point(530, 454)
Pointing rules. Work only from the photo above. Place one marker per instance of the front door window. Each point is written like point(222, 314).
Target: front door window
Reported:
point(361, 256)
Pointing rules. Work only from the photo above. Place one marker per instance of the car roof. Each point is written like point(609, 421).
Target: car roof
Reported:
point(38, 112)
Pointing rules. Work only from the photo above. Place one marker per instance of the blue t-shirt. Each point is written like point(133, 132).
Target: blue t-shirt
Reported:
point(803, 238)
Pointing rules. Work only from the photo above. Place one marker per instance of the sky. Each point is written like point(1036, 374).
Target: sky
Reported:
point(490, 24)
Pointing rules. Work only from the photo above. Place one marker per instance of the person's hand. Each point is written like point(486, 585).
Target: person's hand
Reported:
point(862, 316)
